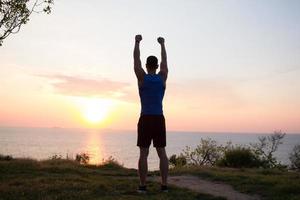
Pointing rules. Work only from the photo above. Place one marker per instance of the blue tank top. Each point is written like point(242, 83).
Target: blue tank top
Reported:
point(151, 94)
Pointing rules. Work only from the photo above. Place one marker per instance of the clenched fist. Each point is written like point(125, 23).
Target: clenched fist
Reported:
point(138, 38)
point(161, 40)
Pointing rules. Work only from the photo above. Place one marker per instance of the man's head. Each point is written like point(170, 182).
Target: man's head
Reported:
point(152, 63)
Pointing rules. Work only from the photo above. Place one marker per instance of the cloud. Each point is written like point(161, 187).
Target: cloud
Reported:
point(79, 86)
point(207, 93)
point(288, 69)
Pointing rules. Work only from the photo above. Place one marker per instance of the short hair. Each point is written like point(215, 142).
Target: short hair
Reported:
point(152, 62)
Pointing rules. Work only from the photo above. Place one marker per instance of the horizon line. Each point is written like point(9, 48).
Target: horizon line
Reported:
point(170, 131)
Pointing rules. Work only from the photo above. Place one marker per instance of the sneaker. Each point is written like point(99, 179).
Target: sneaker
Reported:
point(164, 188)
point(142, 189)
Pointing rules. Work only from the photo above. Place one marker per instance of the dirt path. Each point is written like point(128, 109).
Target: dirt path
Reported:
point(208, 187)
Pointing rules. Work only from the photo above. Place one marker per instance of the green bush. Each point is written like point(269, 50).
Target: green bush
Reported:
point(295, 157)
point(207, 152)
point(177, 161)
point(238, 157)
point(261, 154)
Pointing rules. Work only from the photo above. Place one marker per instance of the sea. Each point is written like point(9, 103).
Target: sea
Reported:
point(44, 143)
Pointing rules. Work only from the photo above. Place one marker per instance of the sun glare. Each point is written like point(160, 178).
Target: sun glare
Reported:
point(95, 110)
point(95, 114)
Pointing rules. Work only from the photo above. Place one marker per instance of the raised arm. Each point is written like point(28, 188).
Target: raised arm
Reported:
point(139, 72)
point(163, 65)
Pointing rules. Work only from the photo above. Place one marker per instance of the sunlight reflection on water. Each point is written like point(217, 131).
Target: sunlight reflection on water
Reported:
point(94, 147)
point(42, 143)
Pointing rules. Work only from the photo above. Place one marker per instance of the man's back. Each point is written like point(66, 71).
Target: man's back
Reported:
point(151, 93)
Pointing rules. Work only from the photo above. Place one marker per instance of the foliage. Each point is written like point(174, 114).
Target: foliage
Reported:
point(15, 13)
point(5, 157)
point(208, 152)
point(266, 147)
point(239, 157)
point(82, 158)
point(295, 157)
point(55, 157)
point(112, 163)
point(177, 161)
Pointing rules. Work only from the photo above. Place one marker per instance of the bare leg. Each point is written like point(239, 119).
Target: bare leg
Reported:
point(143, 165)
point(163, 165)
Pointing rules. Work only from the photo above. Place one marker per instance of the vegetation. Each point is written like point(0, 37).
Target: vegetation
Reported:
point(270, 184)
point(210, 153)
point(266, 147)
point(295, 157)
point(15, 13)
point(206, 153)
point(82, 158)
point(67, 179)
point(5, 157)
point(249, 168)
point(239, 157)
point(177, 161)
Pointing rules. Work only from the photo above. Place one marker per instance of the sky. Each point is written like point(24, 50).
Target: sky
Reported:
point(233, 65)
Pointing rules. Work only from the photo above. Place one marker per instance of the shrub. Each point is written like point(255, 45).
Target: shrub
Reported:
point(239, 157)
point(111, 163)
point(177, 161)
point(206, 153)
point(5, 157)
point(82, 158)
point(295, 157)
point(266, 147)
point(56, 157)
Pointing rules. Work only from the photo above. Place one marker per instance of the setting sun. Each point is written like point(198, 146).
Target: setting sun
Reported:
point(95, 113)
point(95, 110)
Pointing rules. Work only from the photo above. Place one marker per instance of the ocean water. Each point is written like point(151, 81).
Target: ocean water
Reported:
point(42, 143)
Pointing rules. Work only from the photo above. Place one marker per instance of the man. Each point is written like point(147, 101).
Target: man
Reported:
point(151, 125)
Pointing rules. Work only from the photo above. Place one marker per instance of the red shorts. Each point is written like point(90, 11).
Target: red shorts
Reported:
point(151, 127)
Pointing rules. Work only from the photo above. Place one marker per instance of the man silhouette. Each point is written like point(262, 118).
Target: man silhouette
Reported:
point(151, 125)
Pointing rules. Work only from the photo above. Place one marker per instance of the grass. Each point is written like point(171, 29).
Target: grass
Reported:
point(66, 179)
point(271, 184)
